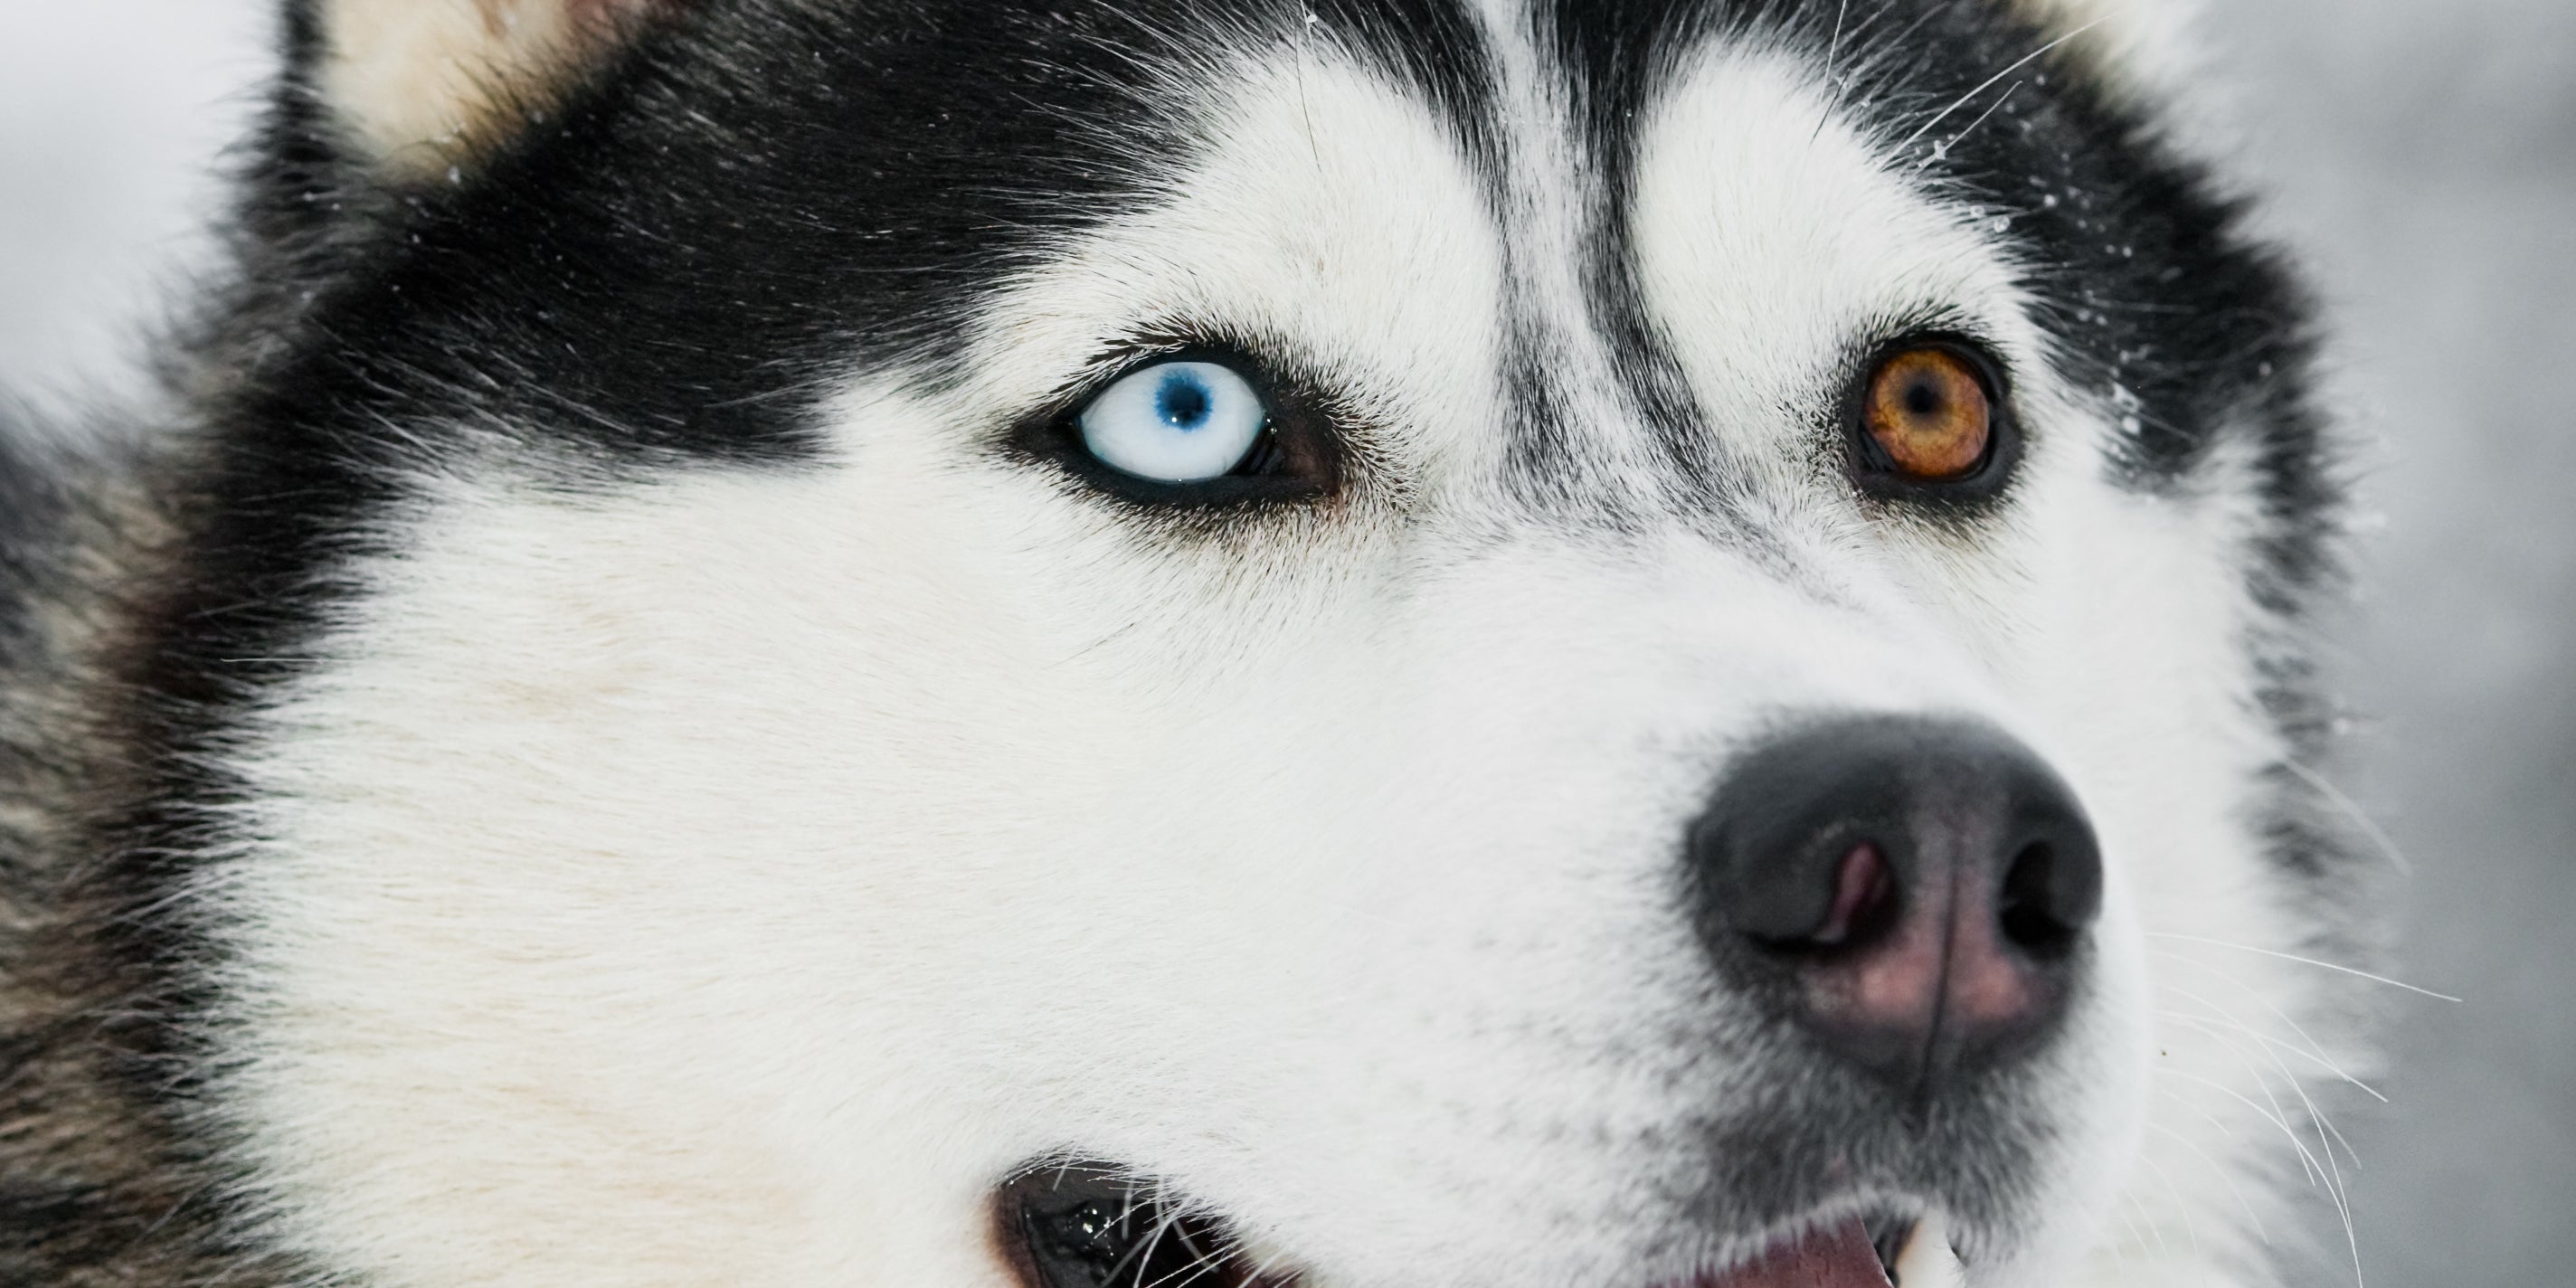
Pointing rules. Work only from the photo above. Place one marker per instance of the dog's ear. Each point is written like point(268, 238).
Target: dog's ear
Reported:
point(417, 85)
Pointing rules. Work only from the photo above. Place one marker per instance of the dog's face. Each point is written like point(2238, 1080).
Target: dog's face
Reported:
point(1609, 647)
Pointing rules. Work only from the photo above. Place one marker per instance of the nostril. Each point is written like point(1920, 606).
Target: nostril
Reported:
point(1864, 900)
point(2032, 907)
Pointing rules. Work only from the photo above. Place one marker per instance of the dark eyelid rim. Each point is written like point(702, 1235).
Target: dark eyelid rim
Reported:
point(1974, 494)
point(1052, 436)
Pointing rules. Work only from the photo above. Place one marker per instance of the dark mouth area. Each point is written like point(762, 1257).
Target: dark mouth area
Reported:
point(1093, 1226)
point(1887, 1239)
point(1855, 1252)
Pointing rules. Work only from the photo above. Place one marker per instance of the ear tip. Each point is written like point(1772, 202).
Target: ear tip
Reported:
point(416, 82)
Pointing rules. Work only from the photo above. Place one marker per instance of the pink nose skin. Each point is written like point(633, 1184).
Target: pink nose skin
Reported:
point(1938, 968)
point(1913, 893)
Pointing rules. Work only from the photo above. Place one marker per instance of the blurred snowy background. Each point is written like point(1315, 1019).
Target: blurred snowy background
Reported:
point(2421, 153)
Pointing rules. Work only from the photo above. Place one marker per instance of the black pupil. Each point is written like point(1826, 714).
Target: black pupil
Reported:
point(1184, 402)
point(1923, 398)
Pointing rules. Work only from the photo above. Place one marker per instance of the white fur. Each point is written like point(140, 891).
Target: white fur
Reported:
point(729, 879)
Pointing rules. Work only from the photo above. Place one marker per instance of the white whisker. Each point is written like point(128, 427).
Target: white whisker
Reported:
point(2305, 961)
point(1142, 1255)
point(2155, 1230)
point(1942, 150)
point(1833, 50)
point(2308, 1052)
point(2243, 1203)
point(2190, 1228)
point(1989, 82)
point(2137, 1234)
point(1834, 47)
point(2316, 1175)
point(2314, 1046)
point(2336, 1188)
point(2205, 1116)
point(2386, 845)
point(2328, 1135)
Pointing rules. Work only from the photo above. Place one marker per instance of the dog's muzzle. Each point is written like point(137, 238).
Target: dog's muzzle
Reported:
point(1913, 895)
point(1911, 892)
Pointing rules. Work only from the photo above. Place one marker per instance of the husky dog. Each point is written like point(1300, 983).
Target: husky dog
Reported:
point(1123, 643)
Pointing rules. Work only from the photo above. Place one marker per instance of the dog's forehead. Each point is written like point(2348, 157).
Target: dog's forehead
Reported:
point(914, 163)
point(1605, 329)
point(1605, 247)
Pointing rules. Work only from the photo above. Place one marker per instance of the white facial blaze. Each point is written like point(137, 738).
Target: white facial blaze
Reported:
point(1550, 198)
point(730, 879)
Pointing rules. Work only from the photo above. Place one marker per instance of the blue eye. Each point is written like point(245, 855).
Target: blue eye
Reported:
point(1175, 422)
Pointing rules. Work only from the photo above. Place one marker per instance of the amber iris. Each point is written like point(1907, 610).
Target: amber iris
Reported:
point(1927, 409)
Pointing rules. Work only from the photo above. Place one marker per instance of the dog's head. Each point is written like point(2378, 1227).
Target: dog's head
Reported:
point(1613, 645)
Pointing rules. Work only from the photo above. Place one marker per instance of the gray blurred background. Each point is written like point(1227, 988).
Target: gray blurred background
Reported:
point(2421, 153)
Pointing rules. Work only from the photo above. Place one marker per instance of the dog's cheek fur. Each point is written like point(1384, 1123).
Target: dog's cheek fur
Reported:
point(727, 739)
point(2131, 617)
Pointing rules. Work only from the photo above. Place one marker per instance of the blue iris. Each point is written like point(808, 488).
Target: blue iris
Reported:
point(1176, 421)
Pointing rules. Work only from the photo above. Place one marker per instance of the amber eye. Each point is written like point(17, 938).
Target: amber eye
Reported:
point(1927, 411)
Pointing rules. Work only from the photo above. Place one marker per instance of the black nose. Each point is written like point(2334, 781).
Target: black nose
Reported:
point(1913, 891)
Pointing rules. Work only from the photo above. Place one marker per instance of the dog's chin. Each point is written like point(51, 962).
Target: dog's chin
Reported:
point(1089, 1226)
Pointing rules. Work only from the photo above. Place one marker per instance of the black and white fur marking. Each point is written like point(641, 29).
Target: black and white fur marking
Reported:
point(589, 752)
